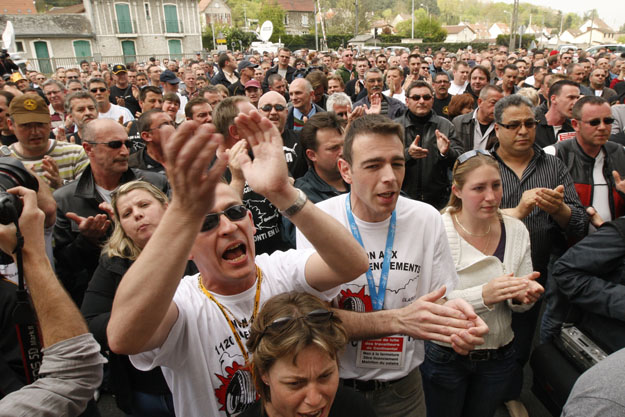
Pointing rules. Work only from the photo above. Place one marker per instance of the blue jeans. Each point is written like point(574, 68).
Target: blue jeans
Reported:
point(152, 405)
point(457, 385)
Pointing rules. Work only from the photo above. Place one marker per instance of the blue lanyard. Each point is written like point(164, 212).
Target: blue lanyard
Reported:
point(377, 296)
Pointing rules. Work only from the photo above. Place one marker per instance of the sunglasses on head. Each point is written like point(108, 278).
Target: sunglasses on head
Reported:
point(417, 97)
point(529, 124)
point(282, 324)
point(267, 107)
point(597, 122)
point(114, 144)
point(470, 154)
point(233, 213)
point(100, 89)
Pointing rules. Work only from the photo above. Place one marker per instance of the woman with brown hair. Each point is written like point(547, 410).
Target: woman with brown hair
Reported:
point(492, 255)
point(295, 344)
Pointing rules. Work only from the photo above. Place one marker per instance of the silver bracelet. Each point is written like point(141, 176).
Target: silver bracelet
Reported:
point(299, 203)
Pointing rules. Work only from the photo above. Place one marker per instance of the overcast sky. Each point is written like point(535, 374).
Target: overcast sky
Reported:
point(610, 11)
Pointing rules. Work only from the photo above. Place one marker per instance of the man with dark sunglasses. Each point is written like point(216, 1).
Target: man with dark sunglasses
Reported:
point(538, 190)
point(82, 223)
point(595, 164)
point(107, 110)
point(431, 147)
point(196, 328)
point(273, 106)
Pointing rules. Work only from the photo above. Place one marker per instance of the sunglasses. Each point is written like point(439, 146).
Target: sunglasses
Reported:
point(100, 89)
point(470, 154)
point(74, 77)
point(114, 144)
point(597, 122)
point(282, 324)
point(267, 107)
point(418, 97)
point(529, 124)
point(233, 213)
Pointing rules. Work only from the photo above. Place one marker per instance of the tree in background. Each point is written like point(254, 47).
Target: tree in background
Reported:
point(427, 28)
point(273, 12)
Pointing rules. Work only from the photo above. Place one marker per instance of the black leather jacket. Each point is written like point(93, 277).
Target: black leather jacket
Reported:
point(580, 166)
point(76, 256)
point(428, 179)
point(465, 132)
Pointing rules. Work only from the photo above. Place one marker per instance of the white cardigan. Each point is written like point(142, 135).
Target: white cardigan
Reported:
point(476, 269)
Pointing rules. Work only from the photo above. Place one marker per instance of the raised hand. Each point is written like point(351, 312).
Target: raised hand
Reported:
point(549, 200)
point(415, 151)
point(376, 104)
point(51, 172)
point(619, 183)
point(188, 155)
point(92, 227)
point(267, 174)
point(442, 142)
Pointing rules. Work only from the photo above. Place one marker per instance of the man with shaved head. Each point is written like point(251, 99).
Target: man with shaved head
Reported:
point(301, 93)
point(82, 225)
point(273, 106)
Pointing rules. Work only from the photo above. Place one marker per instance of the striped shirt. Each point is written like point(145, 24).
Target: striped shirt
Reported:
point(546, 237)
point(71, 159)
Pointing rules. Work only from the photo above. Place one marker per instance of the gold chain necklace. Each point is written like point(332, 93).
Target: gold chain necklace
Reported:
point(466, 231)
point(225, 310)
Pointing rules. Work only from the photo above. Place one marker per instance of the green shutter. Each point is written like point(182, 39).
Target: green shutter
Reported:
point(171, 19)
point(41, 50)
point(124, 24)
point(128, 49)
point(175, 49)
point(82, 49)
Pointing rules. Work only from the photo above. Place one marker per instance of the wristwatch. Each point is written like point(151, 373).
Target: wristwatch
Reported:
point(299, 203)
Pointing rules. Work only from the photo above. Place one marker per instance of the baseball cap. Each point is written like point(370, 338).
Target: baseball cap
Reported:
point(246, 64)
point(119, 68)
point(252, 83)
point(169, 77)
point(29, 108)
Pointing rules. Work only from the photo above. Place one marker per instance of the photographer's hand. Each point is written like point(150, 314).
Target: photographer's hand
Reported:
point(31, 225)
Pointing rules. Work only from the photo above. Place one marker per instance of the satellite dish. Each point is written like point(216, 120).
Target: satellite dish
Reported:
point(266, 30)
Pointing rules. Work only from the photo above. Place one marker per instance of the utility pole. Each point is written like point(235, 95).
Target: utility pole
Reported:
point(316, 34)
point(356, 22)
point(412, 37)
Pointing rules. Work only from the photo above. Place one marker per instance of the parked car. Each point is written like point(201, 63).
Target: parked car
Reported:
point(613, 47)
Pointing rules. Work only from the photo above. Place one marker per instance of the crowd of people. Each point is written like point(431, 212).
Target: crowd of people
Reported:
point(313, 233)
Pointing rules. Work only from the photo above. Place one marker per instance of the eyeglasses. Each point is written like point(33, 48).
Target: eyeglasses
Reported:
point(282, 324)
point(418, 97)
point(100, 89)
point(342, 114)
point(163, 124)
point(74, 77)
point(233, 213)
point(529, 124)
point(441, 82)
point(470, 154)
point(597, 122)
point(267, 107)
point(114, 144)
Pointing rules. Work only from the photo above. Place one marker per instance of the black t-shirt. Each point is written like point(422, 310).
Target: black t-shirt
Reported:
point(484, 128)
point(8, 139)
point(440, 106)
point(129, 100)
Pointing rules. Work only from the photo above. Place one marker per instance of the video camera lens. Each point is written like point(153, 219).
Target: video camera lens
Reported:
point(13, 174)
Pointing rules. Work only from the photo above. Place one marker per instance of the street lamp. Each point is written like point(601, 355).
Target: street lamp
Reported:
point(510, 41)
point(427, 9)
point(412, 37)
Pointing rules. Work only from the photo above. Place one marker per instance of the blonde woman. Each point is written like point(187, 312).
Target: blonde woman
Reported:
point(491, 252)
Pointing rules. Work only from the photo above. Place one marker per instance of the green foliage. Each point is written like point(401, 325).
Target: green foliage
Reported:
point(427, 28)
point(232, 34)
point(621, 39)
point(504, 40)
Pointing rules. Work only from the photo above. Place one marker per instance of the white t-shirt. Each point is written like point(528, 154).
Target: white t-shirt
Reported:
point(115, 112)
point(201, 357)
point(600, 191)
point(421, 262)
point(400, 96)
point(455, 89)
